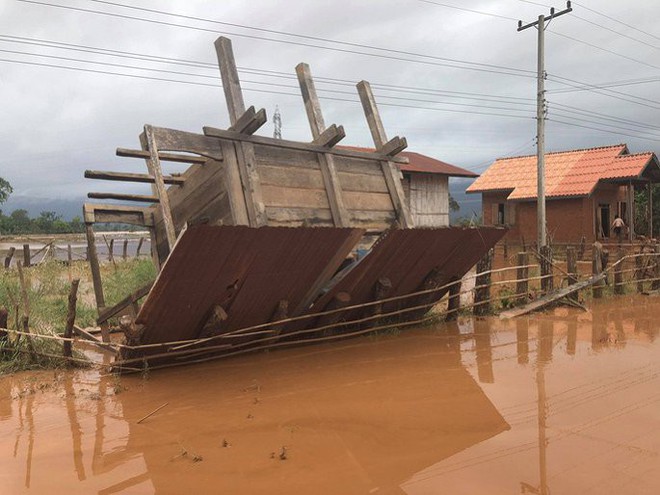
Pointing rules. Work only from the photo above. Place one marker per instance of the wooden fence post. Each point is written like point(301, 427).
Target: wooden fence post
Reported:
point(596, 269)
point(4, 317)
point(571, 269)
point(454, 301)
point(69, 254)
point(482, 285)
point(26, 255)
point(139, 247)
point(71, 317)
point(639, 271)
point(124, 253)
point(583, 242)
point(522, 274)
point(111, 250)
point(655, 285)
point(10, 255)
point(618, 275)
point(547, 283)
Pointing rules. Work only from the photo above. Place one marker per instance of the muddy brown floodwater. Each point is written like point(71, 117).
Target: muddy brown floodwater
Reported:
point(565, 402)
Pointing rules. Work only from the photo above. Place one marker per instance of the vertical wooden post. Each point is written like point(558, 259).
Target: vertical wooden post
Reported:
point(69, 254)
point(4, 317)
point(139, 247)
point(522, 274)
point(618, 275)
point(250, 181)
point(596, 269)
point(10, 255)
point(631, 212)
point(571, 269)
point(390, 170)
point(96, 277)
point(639, 272)
point(382, 289)
point(27, 258)
point(454, 300)
point(340, 215)
point(71, 317)
point(124, 253)
point(482, 285)
point(25, 320)
point(341, 300)
point(111, 250)
point(650, 210)
point(583, 243)
point(547, 282)
point(655, 284)
point(159, 183)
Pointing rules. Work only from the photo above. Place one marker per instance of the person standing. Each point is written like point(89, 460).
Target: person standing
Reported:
point(617, 227)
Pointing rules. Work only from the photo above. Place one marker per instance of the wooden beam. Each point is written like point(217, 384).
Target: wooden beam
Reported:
point(390, 171)
point(141, 198)
point(164, 157)
point(394, 146)
point(134, 215)
point(128, 302)
point(96, 275)
point(340, 215)
point(130, 177)
point(331, 136)
point(246, 158)
point(230, 81)
point(250, 121)
point(297, 145)
point(157, 173)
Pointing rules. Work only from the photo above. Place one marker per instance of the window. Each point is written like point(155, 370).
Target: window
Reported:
point(500, 214)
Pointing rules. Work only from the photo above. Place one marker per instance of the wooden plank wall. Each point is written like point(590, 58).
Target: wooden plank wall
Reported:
point(428, 197)
point(294, 193)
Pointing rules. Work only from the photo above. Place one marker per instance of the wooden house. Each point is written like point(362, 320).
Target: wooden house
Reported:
point(585, 189)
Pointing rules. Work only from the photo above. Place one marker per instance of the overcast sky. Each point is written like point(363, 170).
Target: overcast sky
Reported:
point(465, 81)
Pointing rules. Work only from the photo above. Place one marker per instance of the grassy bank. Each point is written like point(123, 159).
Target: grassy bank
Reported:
point(48, 288)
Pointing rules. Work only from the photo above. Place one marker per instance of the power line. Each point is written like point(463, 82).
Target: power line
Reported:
point(606, 92)
point(656, 140)
point(612, 84)
point(197, 83)
point(468, 10)
point(431, 60)
point(617, 21)
point(261, 72)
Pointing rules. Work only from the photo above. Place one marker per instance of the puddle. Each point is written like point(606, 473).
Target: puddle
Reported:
point(565, 402)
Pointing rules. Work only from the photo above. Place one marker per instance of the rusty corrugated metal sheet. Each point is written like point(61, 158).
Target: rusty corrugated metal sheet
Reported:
point(407, 257)
point(245, 270)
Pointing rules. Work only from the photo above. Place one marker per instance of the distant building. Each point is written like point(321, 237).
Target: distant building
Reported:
point(585, 189)
point(426, 186)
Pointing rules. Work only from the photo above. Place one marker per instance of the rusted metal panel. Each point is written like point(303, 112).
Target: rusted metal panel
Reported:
point(245, 270)
point(406, 258)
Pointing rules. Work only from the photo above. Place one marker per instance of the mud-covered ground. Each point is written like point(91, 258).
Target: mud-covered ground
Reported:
point(565, 402)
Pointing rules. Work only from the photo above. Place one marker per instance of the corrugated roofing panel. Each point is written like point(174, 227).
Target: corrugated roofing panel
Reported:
point(406, 257)
point(245, 270)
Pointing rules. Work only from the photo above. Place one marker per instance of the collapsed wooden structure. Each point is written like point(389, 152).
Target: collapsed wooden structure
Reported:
point(257, 228)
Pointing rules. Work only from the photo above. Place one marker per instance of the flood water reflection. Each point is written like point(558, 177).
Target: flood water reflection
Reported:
point(562, 402)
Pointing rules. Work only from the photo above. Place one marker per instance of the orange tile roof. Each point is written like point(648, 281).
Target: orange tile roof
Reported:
point(422, 163)
point(567, 173)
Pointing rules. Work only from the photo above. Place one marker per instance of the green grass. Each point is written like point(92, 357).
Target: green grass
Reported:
point(48, 290)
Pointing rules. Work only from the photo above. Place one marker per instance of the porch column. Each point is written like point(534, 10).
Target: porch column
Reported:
point(631, 212)
point(650, 210)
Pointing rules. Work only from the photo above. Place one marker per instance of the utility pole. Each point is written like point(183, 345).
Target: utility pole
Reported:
point(540, 24)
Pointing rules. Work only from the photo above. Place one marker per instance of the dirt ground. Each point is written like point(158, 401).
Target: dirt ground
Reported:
point(565, 402)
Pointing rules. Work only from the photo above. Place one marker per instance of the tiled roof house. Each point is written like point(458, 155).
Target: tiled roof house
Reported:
point(585, 189)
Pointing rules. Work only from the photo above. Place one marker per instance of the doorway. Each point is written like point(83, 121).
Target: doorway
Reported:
point(604, 224)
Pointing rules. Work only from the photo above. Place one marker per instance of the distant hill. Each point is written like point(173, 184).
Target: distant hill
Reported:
point(68, 208)
point(470, 203)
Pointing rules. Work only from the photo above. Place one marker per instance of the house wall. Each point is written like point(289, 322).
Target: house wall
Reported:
point(427, 196)
point(568, 219)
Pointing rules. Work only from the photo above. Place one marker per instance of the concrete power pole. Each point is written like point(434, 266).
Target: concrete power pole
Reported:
point(540, 117)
